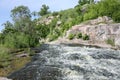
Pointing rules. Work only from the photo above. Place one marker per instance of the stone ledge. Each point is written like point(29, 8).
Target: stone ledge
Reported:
point(3, 78)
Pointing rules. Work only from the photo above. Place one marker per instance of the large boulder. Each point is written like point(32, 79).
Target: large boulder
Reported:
point(103, 19)
point(46, 20)
point(99, 30)
point(3, 78)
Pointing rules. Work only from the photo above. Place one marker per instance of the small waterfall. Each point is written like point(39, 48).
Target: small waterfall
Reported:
point(62, 62)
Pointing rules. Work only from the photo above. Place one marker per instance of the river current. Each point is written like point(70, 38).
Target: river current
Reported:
point(70, 62)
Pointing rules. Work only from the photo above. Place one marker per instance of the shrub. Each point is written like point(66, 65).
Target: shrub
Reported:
point(79, 35)
point(52, 37)
point(42, 30)
point(30, 52)
point(111, 42)
point(71, 36)
point(108, 8)
point(116, 16)
point(54, 34)
point(85, 37)
point(5, 56)
point(55, 13)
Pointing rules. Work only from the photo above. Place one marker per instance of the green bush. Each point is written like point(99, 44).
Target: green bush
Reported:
point(52, 37)
point(55, 13)
point(110, 41)
point(54, 34)
point(30, 52)
point(79, 35)
point(85, 37)
point(18, 40)
point(110, 8)
point(5, 56)
point(42, 30)
point(116, 16)
point(10, 41)
point(78, 19)
point(71, 36)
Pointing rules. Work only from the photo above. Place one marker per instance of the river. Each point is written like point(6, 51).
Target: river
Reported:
point(71, 62)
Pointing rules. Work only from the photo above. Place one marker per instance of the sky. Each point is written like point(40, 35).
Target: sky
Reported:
point(34, 5)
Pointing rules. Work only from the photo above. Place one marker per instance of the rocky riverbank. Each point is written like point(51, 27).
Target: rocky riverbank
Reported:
point(82, 43)
point(102, 32)
point(3, 78)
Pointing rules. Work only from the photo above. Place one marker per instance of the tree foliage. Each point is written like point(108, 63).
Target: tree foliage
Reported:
point(82, 2)
point(20, 13)
point(44, 10)
point(21, 33)
point(42, 31)
point(110, 8)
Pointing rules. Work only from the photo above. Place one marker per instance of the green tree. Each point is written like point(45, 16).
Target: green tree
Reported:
point(20, 12)
point(8, 28)
point(22, 18)
point(108, 7)
point(82, 2)
point(42, 31)
point(24, 30)
point(44, 10)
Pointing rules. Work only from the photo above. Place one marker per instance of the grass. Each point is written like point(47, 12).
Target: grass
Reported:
point(9, 62)
point(71, 36)
point(110, 41)
point(5, 56)
point(14, 65)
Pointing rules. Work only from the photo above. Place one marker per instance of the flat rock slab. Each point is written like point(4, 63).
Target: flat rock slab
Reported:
point(3, 78)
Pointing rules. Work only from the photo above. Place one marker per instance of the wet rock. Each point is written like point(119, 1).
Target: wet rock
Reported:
point(49, 73)
point(106, 55)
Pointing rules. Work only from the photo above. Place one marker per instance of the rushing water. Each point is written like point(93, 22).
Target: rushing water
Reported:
point(62, 62)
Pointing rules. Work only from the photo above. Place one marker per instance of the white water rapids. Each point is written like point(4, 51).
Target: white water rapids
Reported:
point(62, 62)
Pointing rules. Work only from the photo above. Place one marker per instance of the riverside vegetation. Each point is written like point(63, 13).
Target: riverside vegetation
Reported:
point(25, 33)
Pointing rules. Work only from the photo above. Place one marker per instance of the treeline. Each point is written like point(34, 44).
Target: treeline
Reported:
point(22, 32)
point(89, 9)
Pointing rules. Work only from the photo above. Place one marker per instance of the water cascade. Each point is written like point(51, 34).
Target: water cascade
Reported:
point(64, 62)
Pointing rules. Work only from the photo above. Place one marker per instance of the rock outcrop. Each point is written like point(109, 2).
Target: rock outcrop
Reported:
point(3, 78)
point(99, 30)
point(46, 20)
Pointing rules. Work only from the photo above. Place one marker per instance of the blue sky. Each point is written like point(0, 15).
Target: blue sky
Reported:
point(34, 5)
